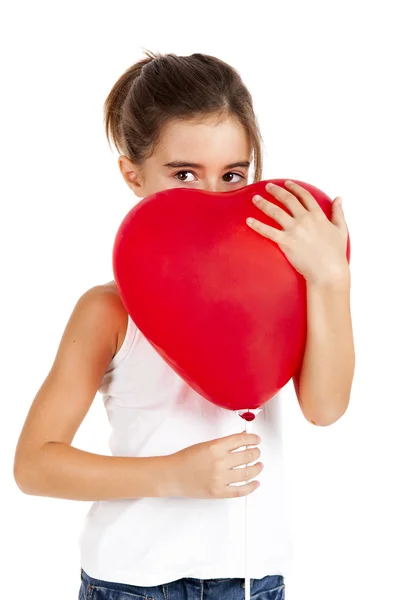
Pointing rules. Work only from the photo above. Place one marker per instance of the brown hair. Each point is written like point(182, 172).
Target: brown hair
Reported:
point(160, 87)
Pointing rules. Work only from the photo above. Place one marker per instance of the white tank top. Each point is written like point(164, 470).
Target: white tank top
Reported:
point(152, 541)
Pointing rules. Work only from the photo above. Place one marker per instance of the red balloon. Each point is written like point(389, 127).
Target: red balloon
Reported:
point(220, 303)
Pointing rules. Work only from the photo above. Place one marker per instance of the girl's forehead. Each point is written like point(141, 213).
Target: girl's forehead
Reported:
point(204, 142)
point(204, 126)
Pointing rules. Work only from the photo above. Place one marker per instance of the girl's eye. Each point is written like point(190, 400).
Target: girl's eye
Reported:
point(177, 175)
point(237, 175)
point(180, 173)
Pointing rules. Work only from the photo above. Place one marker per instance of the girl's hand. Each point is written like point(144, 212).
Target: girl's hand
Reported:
point(205, 470)
point(315, 246)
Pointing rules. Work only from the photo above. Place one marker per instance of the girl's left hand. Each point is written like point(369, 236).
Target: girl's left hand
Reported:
point(314, 245)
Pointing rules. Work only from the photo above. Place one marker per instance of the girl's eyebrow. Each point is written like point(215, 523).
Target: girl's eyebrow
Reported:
point(179, 164)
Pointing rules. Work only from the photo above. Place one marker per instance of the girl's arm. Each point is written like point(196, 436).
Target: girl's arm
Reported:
point(324, 383)
point(58, 470)
point(45, 462)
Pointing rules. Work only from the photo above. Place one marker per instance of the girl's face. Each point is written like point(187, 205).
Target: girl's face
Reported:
point(207, 156)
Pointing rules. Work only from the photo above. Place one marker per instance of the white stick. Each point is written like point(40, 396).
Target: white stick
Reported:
point(246, 578)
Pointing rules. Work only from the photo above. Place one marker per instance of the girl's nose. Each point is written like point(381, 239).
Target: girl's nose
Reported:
point(210, 187)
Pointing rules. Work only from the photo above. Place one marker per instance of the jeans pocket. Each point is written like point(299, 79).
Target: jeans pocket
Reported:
point(277, 593)
point(97, 592)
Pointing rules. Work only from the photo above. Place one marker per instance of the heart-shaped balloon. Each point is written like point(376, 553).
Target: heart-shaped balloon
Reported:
point(218, 301)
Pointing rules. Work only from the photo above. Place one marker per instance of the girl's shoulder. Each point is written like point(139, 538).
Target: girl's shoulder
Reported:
point(110, 294)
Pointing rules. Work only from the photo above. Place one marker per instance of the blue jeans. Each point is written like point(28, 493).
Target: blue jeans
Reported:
point(271, 587)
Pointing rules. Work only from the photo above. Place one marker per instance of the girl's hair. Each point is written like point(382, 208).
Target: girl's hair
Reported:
point(165, 87)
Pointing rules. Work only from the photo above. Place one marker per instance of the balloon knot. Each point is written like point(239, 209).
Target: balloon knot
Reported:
point(248, 416)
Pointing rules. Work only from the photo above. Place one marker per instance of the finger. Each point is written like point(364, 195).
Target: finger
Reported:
point(243, 457)
point(286, 198)
point(337, 217)
point(307, 199)
point(275, 212)
point(241, 490)
point(245, 474)
point(238, 440)
point(276, 235)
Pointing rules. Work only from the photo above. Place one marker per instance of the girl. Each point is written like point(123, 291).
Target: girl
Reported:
point(167, 519)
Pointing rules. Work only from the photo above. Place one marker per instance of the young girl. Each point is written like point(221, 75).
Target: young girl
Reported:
point(166, 521)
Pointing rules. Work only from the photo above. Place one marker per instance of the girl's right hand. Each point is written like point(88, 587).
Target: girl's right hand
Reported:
point(205, 470)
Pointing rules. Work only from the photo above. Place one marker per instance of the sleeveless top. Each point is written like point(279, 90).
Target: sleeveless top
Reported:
point(152, 541)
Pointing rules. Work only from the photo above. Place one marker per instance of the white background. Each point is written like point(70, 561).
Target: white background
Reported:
point(324, 78)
